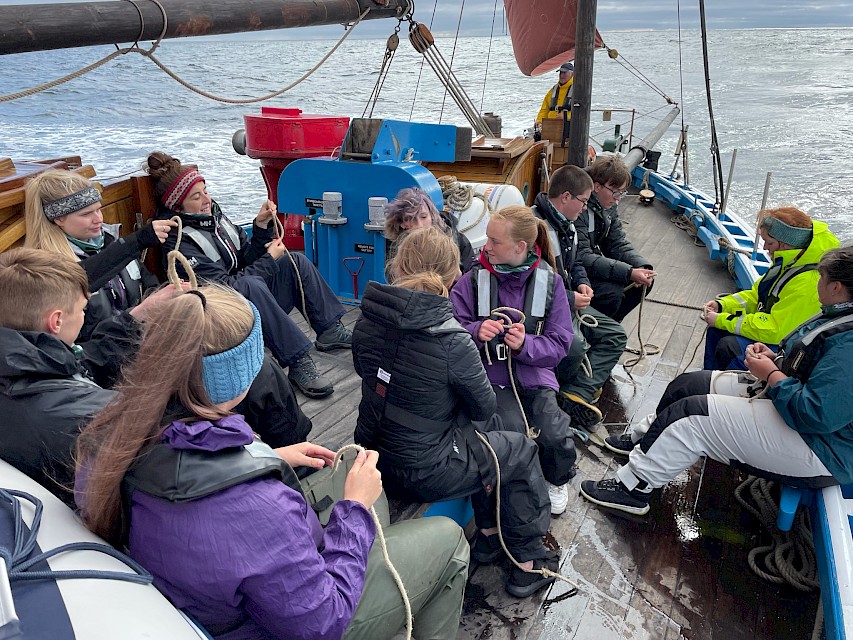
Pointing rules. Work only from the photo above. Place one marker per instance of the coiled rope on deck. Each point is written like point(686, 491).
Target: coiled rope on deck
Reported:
point(459, 197)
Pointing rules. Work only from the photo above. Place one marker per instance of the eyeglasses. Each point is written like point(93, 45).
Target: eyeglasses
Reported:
point(616, 193)
point(583, 201)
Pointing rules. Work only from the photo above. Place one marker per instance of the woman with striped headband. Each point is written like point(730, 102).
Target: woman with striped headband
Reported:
point(219, 251)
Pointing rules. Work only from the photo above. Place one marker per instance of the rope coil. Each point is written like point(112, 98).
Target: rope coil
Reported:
point(459, 196)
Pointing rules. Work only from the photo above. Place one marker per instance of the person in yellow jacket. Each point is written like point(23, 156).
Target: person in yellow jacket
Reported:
point(780, 300)
point(558, 98)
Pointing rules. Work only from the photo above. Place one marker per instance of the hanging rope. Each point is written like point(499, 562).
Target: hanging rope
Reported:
point(630, 68)
point(680, 64)
point(716, 162)
point(489, 55)
point(149, 53)
point(421, 69)
point(424, 43)
point(390, 50)
point(790, 556)
point(380, 537)
point(452, 57)
point(458, 198)
point(645, 349)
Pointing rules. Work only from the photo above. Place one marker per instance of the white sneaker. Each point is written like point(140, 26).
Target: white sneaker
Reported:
point(559, 497)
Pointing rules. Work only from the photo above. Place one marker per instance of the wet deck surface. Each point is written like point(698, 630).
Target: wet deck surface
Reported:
point(681, 572)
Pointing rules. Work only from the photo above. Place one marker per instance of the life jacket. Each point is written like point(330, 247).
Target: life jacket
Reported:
point(564, 241)
point(567, 101)
point(538, 298)
point(771, 285)
point(803, 354)
point(216, 236)
point(122, 292)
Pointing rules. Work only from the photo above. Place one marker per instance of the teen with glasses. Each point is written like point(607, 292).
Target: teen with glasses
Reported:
point(611, 261)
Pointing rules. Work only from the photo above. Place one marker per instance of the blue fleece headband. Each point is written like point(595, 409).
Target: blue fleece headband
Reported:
point(230, 373)
point(797, 237)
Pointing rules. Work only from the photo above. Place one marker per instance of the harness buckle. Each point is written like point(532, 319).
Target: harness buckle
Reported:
point(501, 351)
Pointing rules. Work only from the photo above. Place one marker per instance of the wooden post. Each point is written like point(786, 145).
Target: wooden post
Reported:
point(582, 87)
point(40, 27)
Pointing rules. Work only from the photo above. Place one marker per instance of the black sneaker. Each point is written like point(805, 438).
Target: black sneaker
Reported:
point(583, 413)
point(305, 377)
point(486, 549)
point(522, 584)
point(335, 337)
point(612, 494)
point(621, 445)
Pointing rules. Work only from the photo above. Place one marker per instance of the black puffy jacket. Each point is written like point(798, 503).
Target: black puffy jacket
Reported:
point(44, 401)
point(436, 374)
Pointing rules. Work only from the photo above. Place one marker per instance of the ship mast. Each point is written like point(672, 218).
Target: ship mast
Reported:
point(40, 27)
point(582, 84)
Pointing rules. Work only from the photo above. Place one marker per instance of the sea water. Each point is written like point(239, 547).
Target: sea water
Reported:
point(782, 97)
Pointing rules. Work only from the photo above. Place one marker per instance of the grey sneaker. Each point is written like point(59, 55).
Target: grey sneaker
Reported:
point(621, 445)
point(305, 377)
point(335, 337)
point(612, 494)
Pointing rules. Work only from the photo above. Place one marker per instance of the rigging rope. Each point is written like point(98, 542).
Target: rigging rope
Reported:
point(421, 69)
point(631, 69)
point(716, 162)
point(489, 55)
point(149, 53)
point(458, 198)
point(680, 64)
point(390, 50)
point(452, 58)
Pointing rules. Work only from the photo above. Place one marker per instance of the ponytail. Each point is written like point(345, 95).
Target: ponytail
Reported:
point(543, 241)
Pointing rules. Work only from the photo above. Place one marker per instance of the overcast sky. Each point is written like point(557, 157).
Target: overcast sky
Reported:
point(612, 15)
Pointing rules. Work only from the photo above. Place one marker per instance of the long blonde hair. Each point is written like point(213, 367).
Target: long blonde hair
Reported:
point(426, 260)
point(523, 225)
point(178, 333)
point(50, 185)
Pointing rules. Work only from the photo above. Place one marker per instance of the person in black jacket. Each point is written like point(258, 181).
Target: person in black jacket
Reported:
point(50, 385)
point(602, 344)
point(258, 268)
point(615, 268)
point(424, 391)
point(414, 209)
point(63, 214)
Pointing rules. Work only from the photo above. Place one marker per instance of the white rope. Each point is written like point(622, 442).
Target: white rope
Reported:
point(458, 197)
point(380, 536)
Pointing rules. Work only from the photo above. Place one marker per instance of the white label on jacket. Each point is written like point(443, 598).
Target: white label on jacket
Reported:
point(383, 375)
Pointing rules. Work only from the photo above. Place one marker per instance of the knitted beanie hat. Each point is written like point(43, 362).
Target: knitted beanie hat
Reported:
point(230, 373)
point(796, 237)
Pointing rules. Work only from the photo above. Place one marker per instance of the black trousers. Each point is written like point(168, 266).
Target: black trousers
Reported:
point(556, 444)
point(525, 507)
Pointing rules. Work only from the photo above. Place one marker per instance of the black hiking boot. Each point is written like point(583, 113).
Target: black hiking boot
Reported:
point(612, 494)
point(486, 549)
point(335, 337)
point(621, 445)
point(305, 377)
point(522, 584)
point(583, 413)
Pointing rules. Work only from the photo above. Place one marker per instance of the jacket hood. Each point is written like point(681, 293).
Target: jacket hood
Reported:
point(33, 354)
point(404, 309)
point(822, 241)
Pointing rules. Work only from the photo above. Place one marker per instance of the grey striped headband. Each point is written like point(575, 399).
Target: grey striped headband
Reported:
point(71, 203)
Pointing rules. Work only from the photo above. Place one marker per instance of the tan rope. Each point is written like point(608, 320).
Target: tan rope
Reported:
point(175, 255)
point(380, 536)
point(278, 234)
point(458, 197)
point(646, 349)
point(149, 53)
point(544, 571)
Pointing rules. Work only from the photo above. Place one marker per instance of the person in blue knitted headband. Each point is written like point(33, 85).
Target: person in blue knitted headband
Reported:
point(787, 225)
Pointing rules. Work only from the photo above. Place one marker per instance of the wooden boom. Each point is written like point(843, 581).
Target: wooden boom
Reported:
point(39, 27)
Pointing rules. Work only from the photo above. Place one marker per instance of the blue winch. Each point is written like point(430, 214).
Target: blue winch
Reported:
point(343, 198)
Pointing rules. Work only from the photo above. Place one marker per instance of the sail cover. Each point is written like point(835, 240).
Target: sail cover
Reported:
point(543, 33)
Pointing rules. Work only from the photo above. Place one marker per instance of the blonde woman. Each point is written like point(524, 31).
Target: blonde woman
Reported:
point(424, 389)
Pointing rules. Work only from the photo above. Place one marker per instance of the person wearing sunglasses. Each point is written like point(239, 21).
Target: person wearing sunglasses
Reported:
point(567, 197)
point(618, 273)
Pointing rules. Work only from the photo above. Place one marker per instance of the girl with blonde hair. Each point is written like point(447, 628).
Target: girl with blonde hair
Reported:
point(424, 389)
point(63, 215)
point(515, 280)
point(220, 519)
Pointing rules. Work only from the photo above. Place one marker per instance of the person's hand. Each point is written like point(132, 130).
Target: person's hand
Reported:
point(761, 349)
point(141, 311)
point(162, 228)
point(489, 329)
point(306, 454)
point(154, 233)
point(364, 482)
point(712, 306)
point(643, 276)
point(582, 301)
point(711, 318)
point(514, 338)
point(276, 249)
point(267, 211)
point(759, 365)
point(586, 290)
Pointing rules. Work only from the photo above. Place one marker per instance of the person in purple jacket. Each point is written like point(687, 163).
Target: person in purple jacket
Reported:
point(516, 270)
point(220, 519)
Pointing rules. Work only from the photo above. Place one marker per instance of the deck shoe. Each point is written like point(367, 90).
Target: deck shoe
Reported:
point(583, 413)
point(559, 496)
point(522, 584)
point(621, 445)
point(335, 337)
point(305, 377)
point(486, 549)
point(612, 494)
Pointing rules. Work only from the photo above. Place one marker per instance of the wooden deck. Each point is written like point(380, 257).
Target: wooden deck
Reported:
point(680, 573)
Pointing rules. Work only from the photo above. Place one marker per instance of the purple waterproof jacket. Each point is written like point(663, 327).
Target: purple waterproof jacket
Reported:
point(252, 561)
point(539, 354)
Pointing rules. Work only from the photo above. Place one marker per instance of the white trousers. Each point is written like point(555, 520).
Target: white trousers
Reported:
point(734, 429)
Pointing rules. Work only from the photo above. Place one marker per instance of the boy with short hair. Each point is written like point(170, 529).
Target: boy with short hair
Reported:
point(568, 193)
point(611, 261)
